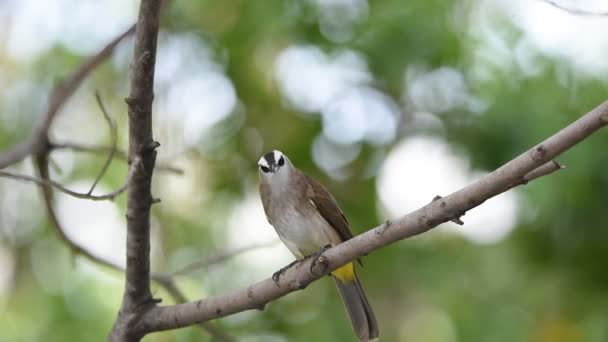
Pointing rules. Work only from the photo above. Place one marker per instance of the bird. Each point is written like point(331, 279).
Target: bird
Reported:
point(307, 219)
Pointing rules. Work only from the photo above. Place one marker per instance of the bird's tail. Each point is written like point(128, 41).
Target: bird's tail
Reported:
point(358, 308)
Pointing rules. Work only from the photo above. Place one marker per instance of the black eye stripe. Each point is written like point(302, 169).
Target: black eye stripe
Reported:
point(281, 161)
point(265, 169)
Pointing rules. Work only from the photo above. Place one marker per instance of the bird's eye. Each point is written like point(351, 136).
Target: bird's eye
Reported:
point(265, 169)
point(281, 161)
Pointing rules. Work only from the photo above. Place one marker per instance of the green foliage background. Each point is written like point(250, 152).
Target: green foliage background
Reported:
point(546, 281)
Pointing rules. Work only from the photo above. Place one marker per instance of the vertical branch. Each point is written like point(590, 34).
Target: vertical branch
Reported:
point(137, 298)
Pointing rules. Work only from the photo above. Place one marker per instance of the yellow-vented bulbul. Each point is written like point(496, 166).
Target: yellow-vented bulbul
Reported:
point(307, 218)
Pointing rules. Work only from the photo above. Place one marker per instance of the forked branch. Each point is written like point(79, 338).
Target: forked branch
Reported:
point(533, 163)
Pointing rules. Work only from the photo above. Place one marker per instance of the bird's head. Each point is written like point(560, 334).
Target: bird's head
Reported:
point(274, 164)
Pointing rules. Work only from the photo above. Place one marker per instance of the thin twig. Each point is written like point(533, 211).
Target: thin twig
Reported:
point(119, 154)
point(164, 280)
point(58, 186)
point(59, 95)
point(220, 258)
point(42, 168)
point(543, 170)
point(113, 138)
point(576, 11)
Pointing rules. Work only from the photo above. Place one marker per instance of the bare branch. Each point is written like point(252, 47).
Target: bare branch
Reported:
point(165, 281)
point(543, 170)
point(417, 222)
point(49, 182)
point(106, 149)
point(220, 257)
point(113, 137)
point(575, 11)
point(137, 297)
point(168, 283)
point(42, 168)
point(62, 92)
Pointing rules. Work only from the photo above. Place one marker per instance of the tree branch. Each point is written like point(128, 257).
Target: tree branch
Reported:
point(219, 258)
point(38, 141)
point(166, 281)
point(48, 182)
point(137, 298)
point(431, 215)
point(114, 138)
point(119, 154)
point(42, 167)
point(575, 11)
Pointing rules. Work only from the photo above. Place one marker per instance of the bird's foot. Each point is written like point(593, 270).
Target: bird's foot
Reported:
point(318, 257)
point(276, 275)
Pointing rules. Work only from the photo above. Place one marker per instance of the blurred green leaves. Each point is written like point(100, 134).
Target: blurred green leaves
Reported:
point(545, 282)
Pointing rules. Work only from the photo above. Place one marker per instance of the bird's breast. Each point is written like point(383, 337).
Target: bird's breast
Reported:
point(301, 227)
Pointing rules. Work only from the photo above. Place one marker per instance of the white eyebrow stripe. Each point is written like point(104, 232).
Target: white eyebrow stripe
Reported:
point(277, 155)
point(263, 162)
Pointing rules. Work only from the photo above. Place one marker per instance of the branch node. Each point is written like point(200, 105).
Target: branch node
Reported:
point(457, 220)
point(558, 165)
point(539, 152)
point(319, 265)
point(130, 101)
point(152, 145)
point(436, 198)
point(155, 200)
point(384, 227)
point(295, 285)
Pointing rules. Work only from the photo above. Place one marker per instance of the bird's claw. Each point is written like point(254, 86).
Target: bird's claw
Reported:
point(317, 257)
point(276, 275)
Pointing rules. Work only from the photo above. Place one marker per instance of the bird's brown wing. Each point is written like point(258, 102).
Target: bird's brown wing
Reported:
point(265, 195)
point(325, 204)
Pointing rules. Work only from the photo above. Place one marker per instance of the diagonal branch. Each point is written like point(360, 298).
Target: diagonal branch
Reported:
point(113, 137)
point(42, 168)
point(220, 258)
point(166, 281)
point(431, 215)
point(46, 182)
point(575, 11)
point(119, 154)
point(59, 96)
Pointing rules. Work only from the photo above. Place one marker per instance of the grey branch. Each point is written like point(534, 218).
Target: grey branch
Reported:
point(431, 215)
point(38, 141)
point(168, 283)
point(137, 298)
